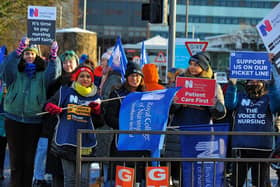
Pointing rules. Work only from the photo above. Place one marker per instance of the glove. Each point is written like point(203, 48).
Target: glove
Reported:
point(30, 69)
point(52, 108)
point(54, 49)
point(95, 108)
point(24, 42)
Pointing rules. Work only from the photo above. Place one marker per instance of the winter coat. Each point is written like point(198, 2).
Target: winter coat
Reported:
point(194, 115)
point(26, 96)
point(113, 81)
point(151, 77)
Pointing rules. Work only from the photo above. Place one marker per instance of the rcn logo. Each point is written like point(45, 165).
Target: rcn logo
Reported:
point(34, 12)
point(265, 27)
point(189, 84)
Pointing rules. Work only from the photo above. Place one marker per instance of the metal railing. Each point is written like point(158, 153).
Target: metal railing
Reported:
point(168, 160)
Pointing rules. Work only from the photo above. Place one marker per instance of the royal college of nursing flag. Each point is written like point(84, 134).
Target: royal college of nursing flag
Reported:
point(145, 111)
point(143, 55)
point(118, 60)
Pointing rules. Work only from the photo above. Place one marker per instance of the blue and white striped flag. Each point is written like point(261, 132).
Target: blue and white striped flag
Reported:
point(143, 56)
point(118, 60)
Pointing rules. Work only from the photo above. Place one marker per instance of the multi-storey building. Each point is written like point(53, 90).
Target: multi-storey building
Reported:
point(195, 18)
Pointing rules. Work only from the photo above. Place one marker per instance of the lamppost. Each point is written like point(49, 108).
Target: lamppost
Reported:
point(85, 15)
point(187, 18)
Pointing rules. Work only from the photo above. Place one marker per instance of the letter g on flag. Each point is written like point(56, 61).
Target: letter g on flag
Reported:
point(157, 174)
point(125, 175)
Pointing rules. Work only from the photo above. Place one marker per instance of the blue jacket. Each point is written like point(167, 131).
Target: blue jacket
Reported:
point(255, 115)
point(26, 96)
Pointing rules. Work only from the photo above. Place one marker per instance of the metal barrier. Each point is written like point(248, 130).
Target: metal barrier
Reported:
point(169, 160)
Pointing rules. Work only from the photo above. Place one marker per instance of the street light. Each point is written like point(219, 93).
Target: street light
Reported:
point(85, 14)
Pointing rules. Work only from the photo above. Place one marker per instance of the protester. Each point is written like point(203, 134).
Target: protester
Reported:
point(83, 110)
point(253, 109)
point(111, 79)
point(27, 78)
point(70, 62)
point(199, 67)
point(171, 76)
point(151, 77)
point(134, 82)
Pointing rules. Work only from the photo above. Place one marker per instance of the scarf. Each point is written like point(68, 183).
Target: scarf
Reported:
point(83, 91)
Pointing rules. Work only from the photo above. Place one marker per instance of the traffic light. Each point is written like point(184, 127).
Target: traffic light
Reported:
point(153, 11)
point(156, 11)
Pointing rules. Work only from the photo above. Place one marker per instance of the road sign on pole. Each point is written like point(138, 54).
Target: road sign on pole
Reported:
point(195, 47)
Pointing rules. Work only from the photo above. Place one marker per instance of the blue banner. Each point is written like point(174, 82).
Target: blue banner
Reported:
point(145, 111)
point(118, 60)
point(143, 55)
point(204, 174)
point(250, 65)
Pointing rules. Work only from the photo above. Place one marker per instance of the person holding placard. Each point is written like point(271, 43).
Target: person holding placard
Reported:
point(199, 67)
point(253, 112)
point(27, 78)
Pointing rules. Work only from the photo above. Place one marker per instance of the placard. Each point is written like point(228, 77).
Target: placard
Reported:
point(196, 91)
point(41, 24)
point(250, 66)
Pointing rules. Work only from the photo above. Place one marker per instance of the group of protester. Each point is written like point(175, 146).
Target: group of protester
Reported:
point(72, 93)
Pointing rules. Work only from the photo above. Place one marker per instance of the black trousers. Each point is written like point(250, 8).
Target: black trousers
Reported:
point(3, 144)
point(259, 170)
point(22, 142)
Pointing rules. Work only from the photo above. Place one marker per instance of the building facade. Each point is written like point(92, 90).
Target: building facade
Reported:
point(195, 18)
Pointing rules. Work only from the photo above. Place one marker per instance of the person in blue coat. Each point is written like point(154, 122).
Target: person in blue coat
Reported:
point(77, 107)
point(253, 112)
point(27, 77)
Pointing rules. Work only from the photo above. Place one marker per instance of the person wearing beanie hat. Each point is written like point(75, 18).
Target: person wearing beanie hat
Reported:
point(151, 77)
point(134, 83)
point(53, 165)
point(27, 76)
point(33, 49)
point(201, 59)
point(83, 112)
point(83, 58)
point(133, 68)
point(70, 61)
point(199, 66)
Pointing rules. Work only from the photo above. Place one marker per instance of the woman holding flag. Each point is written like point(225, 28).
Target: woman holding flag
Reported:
point(134, 82)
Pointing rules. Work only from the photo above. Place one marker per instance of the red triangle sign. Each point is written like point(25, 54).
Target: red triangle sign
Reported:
point(160, 57)
point(195, 47)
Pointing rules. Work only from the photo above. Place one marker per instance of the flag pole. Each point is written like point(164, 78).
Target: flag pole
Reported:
point(65, 108)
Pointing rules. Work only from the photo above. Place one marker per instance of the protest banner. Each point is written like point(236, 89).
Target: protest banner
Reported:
point(268, 29)
point(196, 91)
point(145, 111)
point(250, 65)
point(41, 24)
point(204, 174)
